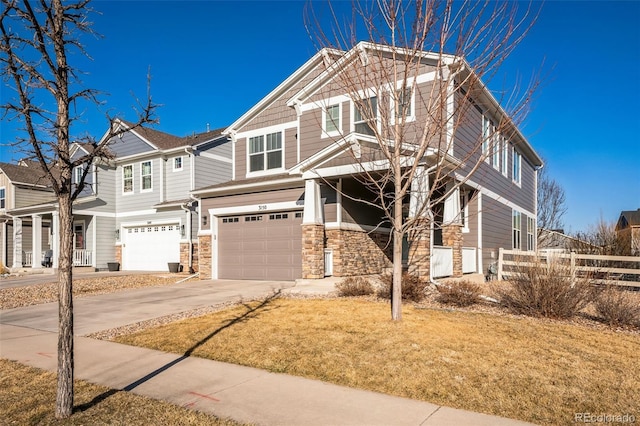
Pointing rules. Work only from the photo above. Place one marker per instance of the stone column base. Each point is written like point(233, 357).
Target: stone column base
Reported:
point(312, 251)
point(204, 257)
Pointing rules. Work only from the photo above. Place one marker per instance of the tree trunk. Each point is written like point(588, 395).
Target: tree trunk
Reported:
point(64, 401)
point(396, 289)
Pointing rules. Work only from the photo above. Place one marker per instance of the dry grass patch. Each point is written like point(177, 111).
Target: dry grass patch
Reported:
point(44, 293)
point(28, 398)
point(540, 371)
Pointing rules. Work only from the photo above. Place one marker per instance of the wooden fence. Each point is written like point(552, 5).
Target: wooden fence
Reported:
point(619, 270)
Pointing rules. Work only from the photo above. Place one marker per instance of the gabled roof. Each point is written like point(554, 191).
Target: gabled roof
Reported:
point(165, 141)
point(28, 173)
point(628, 218)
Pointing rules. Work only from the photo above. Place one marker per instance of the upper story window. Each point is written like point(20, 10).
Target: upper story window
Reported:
point(486, 137)
point(495, 160)
point(332, 119)
point(177, 164)
point(265, 156)
point(404, 103)
point(146, 181)
point(517, 167)
point(2, 198)
point(365, 115)
point(127, 179)
point(505, 156)
point(77, 174)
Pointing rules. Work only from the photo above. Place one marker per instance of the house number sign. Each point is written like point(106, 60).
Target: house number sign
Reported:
point(262, 207)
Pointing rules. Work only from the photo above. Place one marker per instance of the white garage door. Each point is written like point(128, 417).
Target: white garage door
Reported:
point(260, 246)
point(150, 248)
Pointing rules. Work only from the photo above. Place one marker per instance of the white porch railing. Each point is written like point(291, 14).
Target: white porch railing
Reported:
point(27, 258)
point(469, 259)
point(82, 258)
point(442, 261)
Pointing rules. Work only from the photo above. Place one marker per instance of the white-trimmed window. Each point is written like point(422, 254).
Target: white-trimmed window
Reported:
point(365, 115)
point(531, 232)
point(505, 156)
point(404, 104)
point(331, 120)
point(496, 151)
point(127, 179)
point(177, 164)
point(517, 229)
point(265, 152)
point(77, 174)
point(3, 195)
point(517, 167)
point(486, 138)
point(146, 180)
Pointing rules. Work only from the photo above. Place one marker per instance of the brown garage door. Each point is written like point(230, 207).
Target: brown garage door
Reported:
point(260, 246)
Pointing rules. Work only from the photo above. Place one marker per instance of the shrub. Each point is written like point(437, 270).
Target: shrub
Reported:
point(546, 290)
point(618, 306)
point(459, 293)
point(412, 287)
point(354, 286)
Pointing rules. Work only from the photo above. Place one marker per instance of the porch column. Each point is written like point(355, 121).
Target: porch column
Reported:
point(452, 227)
point(419, 238)
point(3, 243)
point(312, 232)
point(36, 241)
point(17, 242)
point(55, 238)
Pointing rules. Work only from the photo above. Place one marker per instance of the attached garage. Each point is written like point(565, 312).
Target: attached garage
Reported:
point(150, 248)
point(260, 246)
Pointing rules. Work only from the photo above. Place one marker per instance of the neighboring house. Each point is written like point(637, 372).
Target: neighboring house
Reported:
point(556, 241)
point(628, 231)
point(290, 210)
point(22, 186)
point(135, 208)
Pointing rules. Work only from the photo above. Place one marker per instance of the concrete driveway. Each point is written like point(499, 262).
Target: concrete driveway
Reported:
point(105, 311)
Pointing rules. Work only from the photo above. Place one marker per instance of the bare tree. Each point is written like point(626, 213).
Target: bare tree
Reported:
point(410, 162)
point(37, 40)
point(551, 206)
point(601, 238)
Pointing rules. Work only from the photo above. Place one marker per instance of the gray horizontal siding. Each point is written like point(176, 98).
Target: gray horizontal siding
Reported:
point(128, 144)
point(29, 197)
point(177, 183)
point(496, 229)
point(211, 172)
point(105, 241)
point(138, 200)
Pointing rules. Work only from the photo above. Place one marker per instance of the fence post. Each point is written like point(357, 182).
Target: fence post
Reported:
point(500, 260)
point(573, 268)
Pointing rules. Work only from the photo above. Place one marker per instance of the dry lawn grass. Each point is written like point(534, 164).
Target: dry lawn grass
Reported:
point(44, 293)
point(540, 371)
point(28, 398)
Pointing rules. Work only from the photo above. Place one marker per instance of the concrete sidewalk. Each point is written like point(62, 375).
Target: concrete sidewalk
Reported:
point(225, 390)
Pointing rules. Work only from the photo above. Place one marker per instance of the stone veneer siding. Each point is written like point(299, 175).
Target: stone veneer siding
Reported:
point(204, 256)
point(420, 250)
point(184, 256)
point(358, 252)
point(312, 251)
point(452, 237)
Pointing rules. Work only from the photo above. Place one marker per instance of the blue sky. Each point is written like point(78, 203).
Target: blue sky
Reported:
point(211, 61)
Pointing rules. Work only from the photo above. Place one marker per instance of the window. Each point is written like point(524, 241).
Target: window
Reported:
point(517, 169)
point(269, 154)
point(77, 174)
point(2, 198)
point(505, 156)
point(496, 151)
point(278, 216)
point(332, 119)
point(253, 218)
point(403, 107)
point(531, 231)
point(177, 164)
point(517, 218)
point(230, 220)
point(127, 179)
point(486, 137)
point(145, 176)
point(465, 197)
point(364, 116)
